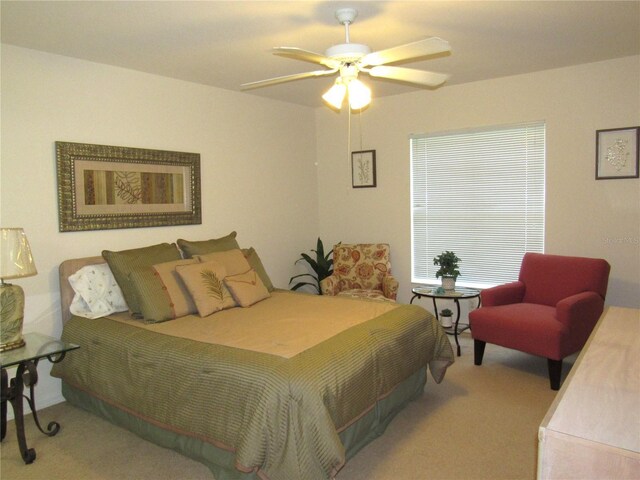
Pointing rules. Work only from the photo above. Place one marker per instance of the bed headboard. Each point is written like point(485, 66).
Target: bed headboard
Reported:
point(67, 268)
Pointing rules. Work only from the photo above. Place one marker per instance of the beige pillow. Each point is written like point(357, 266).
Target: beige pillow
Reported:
point(233, 261)
point(247, 288)
point(201, 247)
point(205, 282)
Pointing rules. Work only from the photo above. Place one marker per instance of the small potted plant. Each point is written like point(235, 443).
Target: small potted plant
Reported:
point(448, 263)
point(446, 318)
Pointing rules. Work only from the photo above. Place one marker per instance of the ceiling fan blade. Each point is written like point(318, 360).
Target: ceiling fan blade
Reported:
point(410, 75)
point(421, 48)
point(306, 55)
point(286, 78)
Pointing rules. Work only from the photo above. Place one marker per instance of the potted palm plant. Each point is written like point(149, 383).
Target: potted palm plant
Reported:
point(321, 268)
point(448, 263)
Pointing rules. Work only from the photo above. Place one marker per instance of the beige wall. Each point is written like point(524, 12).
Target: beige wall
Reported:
point(584, 217)
point(257, 156)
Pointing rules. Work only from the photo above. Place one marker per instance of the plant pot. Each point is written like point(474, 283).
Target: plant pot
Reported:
point(448, 283)
point(446, 321)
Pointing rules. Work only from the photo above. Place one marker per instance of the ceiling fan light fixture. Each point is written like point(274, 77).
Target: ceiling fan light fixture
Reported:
point(351, 59)
point(359, 95)
point(335, 95)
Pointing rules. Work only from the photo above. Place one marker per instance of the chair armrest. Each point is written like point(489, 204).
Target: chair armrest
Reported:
point(503, 294)
point(390, 286)
point(580, 312)
point(330, 285)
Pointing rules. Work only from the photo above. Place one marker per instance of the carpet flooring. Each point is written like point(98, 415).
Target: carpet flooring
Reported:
point(481, 422)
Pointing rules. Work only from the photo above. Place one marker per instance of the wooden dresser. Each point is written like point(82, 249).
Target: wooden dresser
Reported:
point(592, 429)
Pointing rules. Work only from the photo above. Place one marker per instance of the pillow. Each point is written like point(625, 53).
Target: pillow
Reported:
point(160, 292)
point(122, 263)
point(221, 244)
point(247, 288)
point(254, 261)
point(97, 292)
point(205, 283)
point(233, 261)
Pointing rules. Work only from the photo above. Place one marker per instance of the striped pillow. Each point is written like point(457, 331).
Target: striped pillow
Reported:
point(122, 263)
point(161, 293)
point(201, 247)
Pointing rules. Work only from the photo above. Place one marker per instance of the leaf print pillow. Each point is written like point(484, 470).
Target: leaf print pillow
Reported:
point(205, 282)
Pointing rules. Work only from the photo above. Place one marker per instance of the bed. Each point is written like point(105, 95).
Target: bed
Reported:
point(270, 392)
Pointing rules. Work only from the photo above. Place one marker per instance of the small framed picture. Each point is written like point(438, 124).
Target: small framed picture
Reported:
point(617, 154)
point(363, 169)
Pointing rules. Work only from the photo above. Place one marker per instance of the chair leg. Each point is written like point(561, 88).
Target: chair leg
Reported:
point(555, 373)
point(478, 351)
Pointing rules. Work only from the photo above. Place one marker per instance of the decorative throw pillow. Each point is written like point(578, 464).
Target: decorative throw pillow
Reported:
point(97, 292)
point(233, 261)
point(191, 249)
point(247, 288)
point(122, 263)
point(254, 260)
point(160, 291)
point(205, 282)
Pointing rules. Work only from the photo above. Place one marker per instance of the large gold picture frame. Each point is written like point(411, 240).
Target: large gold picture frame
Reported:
point(104, 187)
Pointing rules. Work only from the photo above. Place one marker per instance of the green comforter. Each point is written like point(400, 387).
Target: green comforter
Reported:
point(280, 416)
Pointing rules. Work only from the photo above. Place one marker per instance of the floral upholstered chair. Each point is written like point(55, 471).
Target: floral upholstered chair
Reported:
point(361, 270)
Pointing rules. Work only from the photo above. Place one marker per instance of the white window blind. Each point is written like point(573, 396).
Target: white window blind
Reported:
point(480, 194)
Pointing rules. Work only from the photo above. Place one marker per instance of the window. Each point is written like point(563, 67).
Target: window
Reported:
point(479, 193)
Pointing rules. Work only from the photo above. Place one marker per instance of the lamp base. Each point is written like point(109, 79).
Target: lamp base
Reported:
point(11, 316)
point(10, 346)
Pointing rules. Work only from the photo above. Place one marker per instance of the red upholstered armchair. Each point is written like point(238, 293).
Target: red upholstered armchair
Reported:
point(550, 311)
point(361, 270)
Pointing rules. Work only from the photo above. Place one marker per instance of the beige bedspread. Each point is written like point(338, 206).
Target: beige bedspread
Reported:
point(286, 325)
point(280, 416)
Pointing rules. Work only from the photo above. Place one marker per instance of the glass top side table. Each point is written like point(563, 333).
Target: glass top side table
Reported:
point(26, 358)
point(455, 295)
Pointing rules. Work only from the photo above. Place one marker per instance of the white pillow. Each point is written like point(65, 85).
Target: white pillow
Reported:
point(97, 292)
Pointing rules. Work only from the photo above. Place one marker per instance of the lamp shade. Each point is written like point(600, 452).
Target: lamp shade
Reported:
point(16, 260)
point(359, 95)
point(335, 95)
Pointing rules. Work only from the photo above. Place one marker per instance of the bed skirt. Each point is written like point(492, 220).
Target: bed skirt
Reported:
point(222, 462)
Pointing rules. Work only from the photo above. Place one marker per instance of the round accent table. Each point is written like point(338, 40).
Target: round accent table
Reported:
point(455, 295)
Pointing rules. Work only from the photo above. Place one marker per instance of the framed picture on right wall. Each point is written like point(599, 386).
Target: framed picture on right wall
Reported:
point(363, 169)
point(617, 153)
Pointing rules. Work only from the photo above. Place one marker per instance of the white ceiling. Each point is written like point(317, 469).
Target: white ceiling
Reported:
point(226, 43)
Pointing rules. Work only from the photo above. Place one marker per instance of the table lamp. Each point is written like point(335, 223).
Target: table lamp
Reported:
point(15, 262)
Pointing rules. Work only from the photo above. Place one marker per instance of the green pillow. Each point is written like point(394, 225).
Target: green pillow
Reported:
point(122, 263)
point(222, 244)
point(160, 291)
point(254, 260)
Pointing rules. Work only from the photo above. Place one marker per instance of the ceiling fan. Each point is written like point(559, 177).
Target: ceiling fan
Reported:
point(350, 59)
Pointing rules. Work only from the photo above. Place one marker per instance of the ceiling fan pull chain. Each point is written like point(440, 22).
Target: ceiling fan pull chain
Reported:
point(349, 166)
point(360, 126)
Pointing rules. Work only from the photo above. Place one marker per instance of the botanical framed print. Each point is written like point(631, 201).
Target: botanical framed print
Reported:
point(363, 168)
point(617, 153)
point(104, 187)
